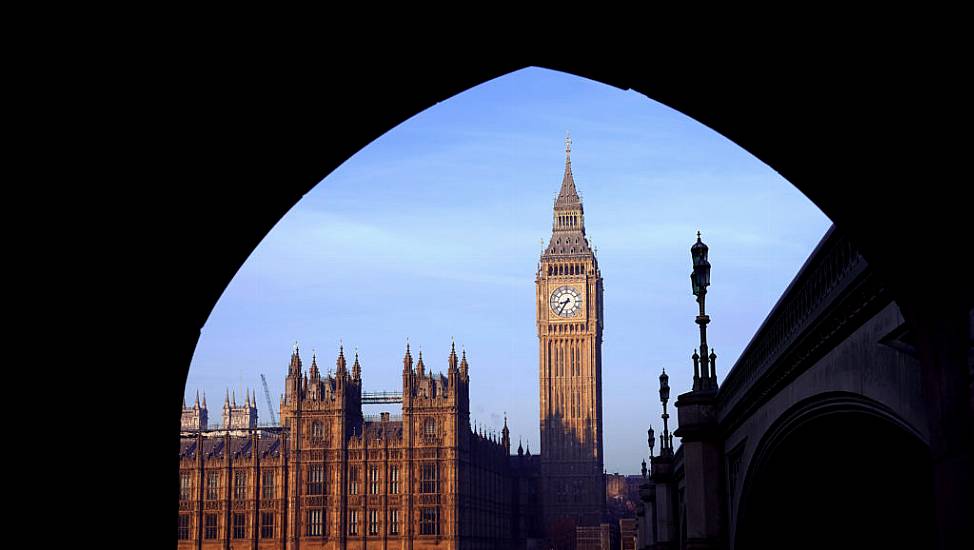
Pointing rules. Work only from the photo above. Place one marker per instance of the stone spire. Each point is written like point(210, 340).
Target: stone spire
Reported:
point(506, 436)
point(464, 367)
point(295, 366)
point(340, 362)
point(356, 368)
point(315, 374)
point(407, 360)
point(568, 222)
point(197, 404)
point(204, 400)
point(520, 449)
point(452, 361)
point(568, 195)
point(420, 366)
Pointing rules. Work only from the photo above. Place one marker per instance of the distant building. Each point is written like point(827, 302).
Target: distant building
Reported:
point(332, 478)
point(604, 536)
point(628, 539)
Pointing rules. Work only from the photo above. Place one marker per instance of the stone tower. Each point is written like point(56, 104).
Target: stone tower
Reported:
point(569, 313)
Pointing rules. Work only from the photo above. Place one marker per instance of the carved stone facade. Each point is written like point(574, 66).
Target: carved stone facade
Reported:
point(330, 478)
point(570, 322)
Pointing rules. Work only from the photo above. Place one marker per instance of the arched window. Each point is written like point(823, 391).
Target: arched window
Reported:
point(316, 430)
point(429, 427)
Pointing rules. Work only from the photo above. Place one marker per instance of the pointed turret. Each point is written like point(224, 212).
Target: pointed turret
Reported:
point(295, 366)
point(520, 449)
point(506, 436)
point(356, 369)
point(315, 373)
point(407, 360)
point(568, 195)
point(197, 404)
point(452, 360)
point(568, 223)
point(204, 400)
point(464, 367)
point(340, 362)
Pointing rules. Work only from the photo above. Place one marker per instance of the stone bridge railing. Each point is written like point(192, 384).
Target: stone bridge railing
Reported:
point(832, 288)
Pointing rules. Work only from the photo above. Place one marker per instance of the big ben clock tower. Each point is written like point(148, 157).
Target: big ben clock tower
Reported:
point(569, 313)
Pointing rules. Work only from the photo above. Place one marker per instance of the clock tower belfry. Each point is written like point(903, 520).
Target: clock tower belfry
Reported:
point(569, 314)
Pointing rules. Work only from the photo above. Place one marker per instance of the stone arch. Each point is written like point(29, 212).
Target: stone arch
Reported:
point(839, 470)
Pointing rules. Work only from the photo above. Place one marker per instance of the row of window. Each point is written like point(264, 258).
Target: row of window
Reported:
point(429, 479)
point(429, 524)
point(315, 485)
point(317, 430)
point(238, 526)
point(566, 269)
point(239, 485)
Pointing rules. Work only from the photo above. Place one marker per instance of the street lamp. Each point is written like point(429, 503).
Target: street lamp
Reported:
point(665, 441)
point(700, 278)
point(699, 281)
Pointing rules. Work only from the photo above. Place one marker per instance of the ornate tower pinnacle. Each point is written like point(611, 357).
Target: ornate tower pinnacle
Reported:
point(452, 361)
point(407, 360)
point(315, 374)
point(356, 368)
point(340, 362)
point(295, 366)
point(464, 367)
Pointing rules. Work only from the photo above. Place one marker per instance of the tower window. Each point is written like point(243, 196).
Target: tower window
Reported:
point(393, 480)
point(240, 485)
point(353, 481)
point(316, 479)
point(374, 480)
point(353, 522)
point(267, 485)
point(429, 427)
point(316, 430)
point(394, 522)
point(239, 526)
point(315, 523)
point(211, 530)
point(183, 526)
point(429, 521)
point(428, 478)
point(212, 485)
point(373, 522)
point(184, 486)
point(267, 525)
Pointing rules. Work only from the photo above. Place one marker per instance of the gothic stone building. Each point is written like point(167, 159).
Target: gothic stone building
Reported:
point(331, 478)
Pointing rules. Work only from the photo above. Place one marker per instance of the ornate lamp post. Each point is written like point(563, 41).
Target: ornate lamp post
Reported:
point(704, 365)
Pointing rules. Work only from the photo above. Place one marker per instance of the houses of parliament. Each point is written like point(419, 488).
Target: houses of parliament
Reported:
point(330, 477)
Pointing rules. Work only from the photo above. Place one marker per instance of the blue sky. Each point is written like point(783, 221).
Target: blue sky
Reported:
point(432, 231)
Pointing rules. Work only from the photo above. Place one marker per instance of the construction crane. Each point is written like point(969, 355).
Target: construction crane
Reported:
point(267, 394)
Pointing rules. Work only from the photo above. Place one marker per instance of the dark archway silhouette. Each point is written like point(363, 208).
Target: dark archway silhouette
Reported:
point(841, 479)
point(254, 134)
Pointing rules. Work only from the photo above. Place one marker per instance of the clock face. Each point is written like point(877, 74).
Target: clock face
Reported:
point(566, 301)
